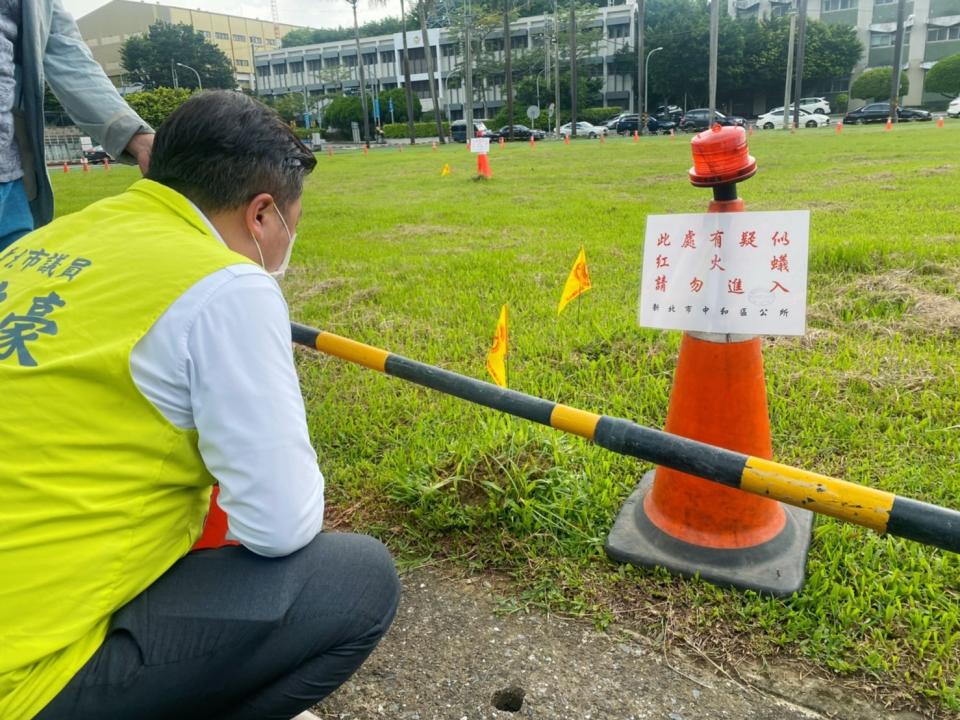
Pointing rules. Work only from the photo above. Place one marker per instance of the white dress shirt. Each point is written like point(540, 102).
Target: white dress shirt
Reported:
point(220, 360)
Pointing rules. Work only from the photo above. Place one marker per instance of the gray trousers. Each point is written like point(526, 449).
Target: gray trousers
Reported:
point(227, 634)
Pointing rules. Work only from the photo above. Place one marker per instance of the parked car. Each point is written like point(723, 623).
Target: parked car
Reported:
point(774, 119)
point(611, 124)
point(815, 105)
point(627, 124)
point(458, 130)
point(669, 112)
point(95, 155)
point(521, 132)
point(584, 129)
point(879, 112)
point(696, 120)
point(953, 109)
point(660, 125)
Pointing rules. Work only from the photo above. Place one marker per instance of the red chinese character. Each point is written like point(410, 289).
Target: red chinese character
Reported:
point(696, 284)
point(748, 238)
point(660, 283)
point(689, 240)
point(717, 238)
point(779, 239)
point(780, 263)
point(663, 261)
point(715, 263)
point(735, 286)
point(664, 239)
point(778, 285)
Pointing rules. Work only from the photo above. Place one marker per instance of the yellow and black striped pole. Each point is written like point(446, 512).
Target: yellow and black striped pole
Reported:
point(878, 510)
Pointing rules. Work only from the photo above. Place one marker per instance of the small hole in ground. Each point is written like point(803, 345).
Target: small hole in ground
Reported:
point(509, 699)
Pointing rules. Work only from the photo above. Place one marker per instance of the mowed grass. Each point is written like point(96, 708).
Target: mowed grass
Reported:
point(392, 254)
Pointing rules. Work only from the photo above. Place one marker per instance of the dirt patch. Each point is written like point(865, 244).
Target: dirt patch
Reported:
point(451, 655)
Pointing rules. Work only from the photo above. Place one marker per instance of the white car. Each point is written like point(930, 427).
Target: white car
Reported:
point(584, 129)
point(953, 109)
point(773, 119)
point(816, 105)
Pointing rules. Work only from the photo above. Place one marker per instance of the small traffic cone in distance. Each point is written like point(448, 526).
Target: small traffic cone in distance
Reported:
point(366, 150)
point(85, 165)
point(750, 129)
point(533, 143)
point(566, 139)
point(66, 168)
point(673, 135)
point(502, 142)
point(483, 166)
point(445, 171)
point(940, 122)
point(434, 144)
point(636, 136)
point(889, 125)
point(839, 127)
point(106, 163)
point(603, 138)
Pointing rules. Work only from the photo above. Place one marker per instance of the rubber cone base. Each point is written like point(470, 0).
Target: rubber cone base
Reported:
point(776, 567)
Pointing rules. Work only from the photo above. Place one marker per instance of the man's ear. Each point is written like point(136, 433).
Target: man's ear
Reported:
point(254, 213)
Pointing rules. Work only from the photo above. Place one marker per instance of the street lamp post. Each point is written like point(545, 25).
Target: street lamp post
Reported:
point(538, 88)
point(199, 84)
point(646, 75)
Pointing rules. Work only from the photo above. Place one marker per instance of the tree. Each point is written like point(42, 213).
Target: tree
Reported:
point(342, 111)
point(150, 58)
point(155, 105)
point(875, 83)
point(290, 106)
point(944, 77)
point(399, 97)
point(308, 36)
point(422, 10)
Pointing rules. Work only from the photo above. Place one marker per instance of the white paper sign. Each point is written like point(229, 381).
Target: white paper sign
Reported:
point(741, 273)
point(481, 146)
point(86, 143)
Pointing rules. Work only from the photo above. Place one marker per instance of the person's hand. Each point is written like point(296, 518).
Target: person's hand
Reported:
point(140, 146)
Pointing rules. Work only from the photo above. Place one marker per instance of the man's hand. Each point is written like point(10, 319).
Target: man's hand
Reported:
point(140, 146)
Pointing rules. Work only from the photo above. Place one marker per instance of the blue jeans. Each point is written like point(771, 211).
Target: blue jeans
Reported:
point(15, 218)
point(228, 635)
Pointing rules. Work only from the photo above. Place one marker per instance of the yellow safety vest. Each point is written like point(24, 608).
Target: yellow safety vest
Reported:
point(99, 493)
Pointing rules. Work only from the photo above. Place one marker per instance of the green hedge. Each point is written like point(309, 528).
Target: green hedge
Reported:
point(400, 130)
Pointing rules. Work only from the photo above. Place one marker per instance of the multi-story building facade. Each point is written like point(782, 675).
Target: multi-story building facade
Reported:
point(932, 32)
point(329, 68)
point(108, 27)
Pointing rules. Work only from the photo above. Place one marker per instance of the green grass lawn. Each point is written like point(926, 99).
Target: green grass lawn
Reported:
point(392, 254)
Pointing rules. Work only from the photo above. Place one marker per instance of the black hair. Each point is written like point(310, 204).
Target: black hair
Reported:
point(221, 148)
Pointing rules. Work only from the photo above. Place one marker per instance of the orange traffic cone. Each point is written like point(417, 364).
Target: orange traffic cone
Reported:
point(889, 125)
point(85, 165)
point(502, 142)
point(690, 525)
point(66, 168)
point(636, 136)
point(566, 139)
point(603, 138)
point(366, 150)
point(106, 163)
point(330, 150)
point(673, 135)
point(533, 143)
point(839, 127)
point(750, 129)
point(940, 122)
point(483, 167)
point(434, 145)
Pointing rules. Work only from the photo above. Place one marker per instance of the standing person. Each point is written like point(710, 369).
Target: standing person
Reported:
point(145, 353)
point(39, 42)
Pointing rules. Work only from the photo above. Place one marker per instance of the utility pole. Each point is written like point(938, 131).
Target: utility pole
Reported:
point(897, 64)
point(573, 68)
point(173, 74)
point(407, 89)
point(363, 85)
point(798, 70)
point(508, 66)
point(556, 69)
point(467, 72)
point(786, 89)
point(714, 43)
point(641, 20)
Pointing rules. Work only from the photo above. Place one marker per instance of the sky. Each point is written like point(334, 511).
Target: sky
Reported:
point(312, 13)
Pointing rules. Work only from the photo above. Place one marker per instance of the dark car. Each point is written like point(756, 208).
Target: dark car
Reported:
point(669, 112)
point(660, 125)
point(696, 120)
point(458, 130)
point(95, 155)
point(879, 112)
point(521, 132)
point(628, 123)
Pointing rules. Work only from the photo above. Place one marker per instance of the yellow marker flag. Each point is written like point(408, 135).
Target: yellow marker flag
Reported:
point(497, 355)
point(445, 171)
point(578, 281)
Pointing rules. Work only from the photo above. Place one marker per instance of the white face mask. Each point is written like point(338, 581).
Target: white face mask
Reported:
point(282, 268)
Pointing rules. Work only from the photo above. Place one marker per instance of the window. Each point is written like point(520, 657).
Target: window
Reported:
point(942, 34)
point(832, 5)
point(881, 39)
point(386, 56)
point(331, 62)
point(279, 70)
point(240, 38)
point(493, 44)
point(263, 71)
point(313, 66)
point(205, 33)
point(777, 11)
point(296, 67)
point(370, 58)
point(255, 40)
point(243, 63)
point(883, 2)
point(350, 61)
point(272, 42)
point(221, 36)
point(518, 43)
point(618, 31)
